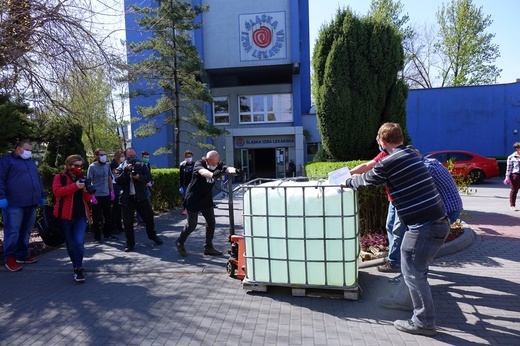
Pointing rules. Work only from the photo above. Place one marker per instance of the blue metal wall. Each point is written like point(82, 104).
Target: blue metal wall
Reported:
point(481, 119)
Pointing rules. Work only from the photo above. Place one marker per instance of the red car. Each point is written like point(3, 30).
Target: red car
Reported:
point(468, 164)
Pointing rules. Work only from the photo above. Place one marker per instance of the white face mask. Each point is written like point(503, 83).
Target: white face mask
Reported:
point(211, 167)
point(26, 154)
point(103, 158)
point(189, 159)
point(122, 159)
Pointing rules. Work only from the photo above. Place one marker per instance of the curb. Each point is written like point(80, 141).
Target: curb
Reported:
point(459, 244)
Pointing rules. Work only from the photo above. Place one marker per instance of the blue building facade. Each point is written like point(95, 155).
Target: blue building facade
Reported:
point(257, 65)
point(481, 119)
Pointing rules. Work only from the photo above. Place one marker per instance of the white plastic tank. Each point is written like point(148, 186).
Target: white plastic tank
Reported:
point(301, 233)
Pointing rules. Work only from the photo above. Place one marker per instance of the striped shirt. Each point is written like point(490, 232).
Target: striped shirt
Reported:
point(445, 185)
point(411, 186)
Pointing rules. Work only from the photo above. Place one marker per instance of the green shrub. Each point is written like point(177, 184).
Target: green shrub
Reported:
point(165, 190)
point(47, 174)
point(372, 201)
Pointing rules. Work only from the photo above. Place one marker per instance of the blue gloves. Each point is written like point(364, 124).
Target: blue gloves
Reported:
point(44, 201)
point(181, 190)
point(3, 203)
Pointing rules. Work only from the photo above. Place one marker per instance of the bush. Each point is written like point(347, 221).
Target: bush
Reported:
point(47, 174)
point(165, 190)
point(372, 201)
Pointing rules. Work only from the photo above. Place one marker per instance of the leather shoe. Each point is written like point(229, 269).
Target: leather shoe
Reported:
point(157, 240)
point(128, 248)
point(181, 249)
point(212, 252)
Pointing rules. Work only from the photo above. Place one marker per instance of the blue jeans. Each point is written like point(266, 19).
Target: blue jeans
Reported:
point(74, 232)
point(453, 216)
point(395, 230)
point(418, 249)
point(18, 224)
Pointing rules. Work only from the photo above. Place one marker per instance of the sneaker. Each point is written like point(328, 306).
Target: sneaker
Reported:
point(78, 275)
point(112, 237)
point(409, 327)
point(157, 240)
point(129, 248)
point(181, 249)
point(390, 303)
point(212, 252)
point(513, 208)
point(27, 260)
point(388, 267)
point(184, 212)
point(12, 265)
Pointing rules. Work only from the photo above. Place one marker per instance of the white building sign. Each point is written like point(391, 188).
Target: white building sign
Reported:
point(263, 36)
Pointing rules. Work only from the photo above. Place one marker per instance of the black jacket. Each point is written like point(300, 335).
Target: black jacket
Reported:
point(124, 176)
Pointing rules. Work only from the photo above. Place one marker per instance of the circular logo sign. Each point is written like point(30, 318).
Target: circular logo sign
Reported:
point(239, 142)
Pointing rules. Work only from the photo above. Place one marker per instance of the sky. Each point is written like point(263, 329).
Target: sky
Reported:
point(504, 14)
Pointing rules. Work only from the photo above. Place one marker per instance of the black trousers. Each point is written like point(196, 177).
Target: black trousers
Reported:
point(191, 224)
point(102, 217)
point(145, 210)
point(117, 215)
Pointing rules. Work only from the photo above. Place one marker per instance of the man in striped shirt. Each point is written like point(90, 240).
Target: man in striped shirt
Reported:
point(421, 209)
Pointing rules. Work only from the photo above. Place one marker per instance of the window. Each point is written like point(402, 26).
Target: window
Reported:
point(220, 111)
point(265, 108)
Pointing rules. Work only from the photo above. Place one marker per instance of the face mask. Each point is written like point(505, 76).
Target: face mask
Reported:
point(381, 148)
point(77, 171)
point(122, 159)
point(26, 154)
point(145, 160)
point(211, 167)
point(103, 158)
point(189, 159)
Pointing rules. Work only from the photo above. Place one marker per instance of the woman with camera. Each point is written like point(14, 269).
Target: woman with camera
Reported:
point(72, 209)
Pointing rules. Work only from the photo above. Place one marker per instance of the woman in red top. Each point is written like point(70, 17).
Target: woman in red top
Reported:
point(69, 189)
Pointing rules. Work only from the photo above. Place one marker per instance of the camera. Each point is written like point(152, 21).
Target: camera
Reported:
point(88, 185)
point(136, 165)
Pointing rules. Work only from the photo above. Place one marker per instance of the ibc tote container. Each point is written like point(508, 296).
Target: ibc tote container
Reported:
point(301, 234)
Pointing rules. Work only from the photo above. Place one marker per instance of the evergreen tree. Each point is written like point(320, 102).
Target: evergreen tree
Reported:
point(14, 123)
point(63, 138)
point(171, 70)
point(355, 83)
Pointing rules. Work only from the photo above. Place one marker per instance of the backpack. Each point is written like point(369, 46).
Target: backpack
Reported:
point(50, 227)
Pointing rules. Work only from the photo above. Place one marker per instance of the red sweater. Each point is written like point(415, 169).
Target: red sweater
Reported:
point(67, 192)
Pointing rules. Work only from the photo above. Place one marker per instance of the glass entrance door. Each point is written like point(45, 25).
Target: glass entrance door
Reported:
point(280, 162)
point(244, 162)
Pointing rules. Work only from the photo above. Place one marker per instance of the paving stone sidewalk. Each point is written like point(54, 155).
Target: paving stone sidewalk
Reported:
point(155, 297)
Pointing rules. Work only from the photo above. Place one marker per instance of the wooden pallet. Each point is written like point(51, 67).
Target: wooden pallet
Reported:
point(350, 293)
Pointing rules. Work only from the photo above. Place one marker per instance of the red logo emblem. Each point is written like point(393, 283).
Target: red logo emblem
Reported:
point(262, 37)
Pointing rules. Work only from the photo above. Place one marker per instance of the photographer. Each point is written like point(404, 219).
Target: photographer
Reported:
point(100, 176)
point(71, 192)
point(132, 176)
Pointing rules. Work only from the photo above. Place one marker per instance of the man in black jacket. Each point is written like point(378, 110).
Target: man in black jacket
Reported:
point(199, 198)
point(132, 176)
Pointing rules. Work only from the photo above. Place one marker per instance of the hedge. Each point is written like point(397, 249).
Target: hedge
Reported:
point(372, 201)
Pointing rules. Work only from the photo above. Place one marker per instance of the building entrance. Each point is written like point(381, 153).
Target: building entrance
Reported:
point(264, 163)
